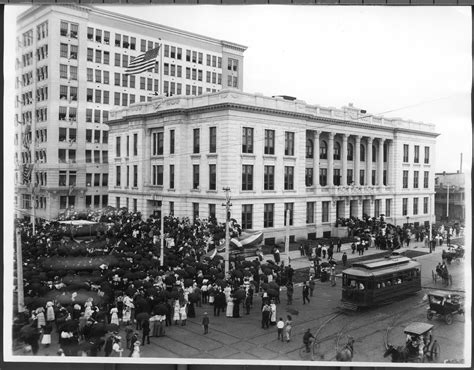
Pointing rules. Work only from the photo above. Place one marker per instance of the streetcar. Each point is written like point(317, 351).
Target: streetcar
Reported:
point(379, 281)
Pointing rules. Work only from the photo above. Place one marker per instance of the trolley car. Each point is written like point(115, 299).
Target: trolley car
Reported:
point(379, 281)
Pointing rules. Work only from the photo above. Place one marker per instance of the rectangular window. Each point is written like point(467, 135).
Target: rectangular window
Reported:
point(212, 211)
point(425, 205)
point(97, 179)
point(62, 178)
point(106, 78)
point(269, 147)
point(310, 212)
point(362, 177)
point(212, 139)
point(427, 154)
point(426, 177)
point(309, 177)
point(135, 144)
point(269, 178)
point(415, 206)
point(268, 214)
point(195, 210)
point(404, 206)
point(374, 175)
point(377, 208)
point(288, 207)
point(416, 158)
point(212, 177)
point(336, 177)
point(135, 176)
point(247, 140)
point(388, 207)
point(247, 177)
point(171, 176)
point(63, 50)
point(105, 156)
point(384, 177)
point(289, 177)
point(195, 176)
point(325, 211)
point(124, 80)
point(247, 211)
point(323, 176)
point(96, 156)
point(98, 56)
point(196, 140)
point(415, 179)
point(90, 55)
point(63, 71)
point(105, 179)
point(117, 146)
point(350, 176)
point(289, 143)
point(118, 170)
point(405, 153)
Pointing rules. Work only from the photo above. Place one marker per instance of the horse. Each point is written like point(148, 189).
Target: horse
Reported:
point(398, 354)
point(346, 353)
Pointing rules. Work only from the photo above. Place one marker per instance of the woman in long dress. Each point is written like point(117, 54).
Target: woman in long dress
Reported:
point(136, 349)
point(230, 307)
point(176, 312)
point(154, 325)
point(273, 316)
point(114, 316)
point(183, 314)
point(287, 329)
point(161, 327)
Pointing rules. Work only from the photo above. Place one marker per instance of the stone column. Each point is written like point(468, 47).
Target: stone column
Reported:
point(368, 161)
point(357, 161)
point(316, 158)
point(331, 159)
point(344, 160)
point(380, 163)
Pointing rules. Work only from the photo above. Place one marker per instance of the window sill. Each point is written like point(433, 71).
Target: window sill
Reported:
point(270, 191)
point(248, 156)
point(117, 187)
point(173, 189)
point(195, 156)
point(195, 190)
point(211, 191)
point(270, 156)
point(212, 155)
point(289, 191)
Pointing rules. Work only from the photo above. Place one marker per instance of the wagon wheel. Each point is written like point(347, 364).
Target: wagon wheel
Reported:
point(435, 351)
point(429, 315)
point(448, 318)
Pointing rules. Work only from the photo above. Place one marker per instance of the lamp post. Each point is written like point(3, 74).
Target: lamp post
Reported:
point(227, 206)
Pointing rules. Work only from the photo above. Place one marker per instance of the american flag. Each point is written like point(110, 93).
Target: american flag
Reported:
point(143, 62)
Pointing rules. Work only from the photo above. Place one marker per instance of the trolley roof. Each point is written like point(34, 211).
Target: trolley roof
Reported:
point(418, 328)
point(381, 266)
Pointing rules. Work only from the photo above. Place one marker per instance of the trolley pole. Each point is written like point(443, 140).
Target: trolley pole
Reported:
point(287, 234)
point(162, 235)
point(19, 272)
point(447, 203)
point(227, 206)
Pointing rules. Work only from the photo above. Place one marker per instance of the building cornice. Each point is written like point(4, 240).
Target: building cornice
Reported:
point(184, 111)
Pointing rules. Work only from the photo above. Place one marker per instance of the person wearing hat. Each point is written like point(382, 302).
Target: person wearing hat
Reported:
point(333, 276)
point(205, 323)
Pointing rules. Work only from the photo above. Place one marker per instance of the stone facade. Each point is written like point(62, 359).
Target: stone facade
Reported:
point(70, 73)
point(256, 133)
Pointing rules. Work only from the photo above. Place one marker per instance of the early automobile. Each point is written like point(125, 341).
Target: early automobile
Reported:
point(444, 304)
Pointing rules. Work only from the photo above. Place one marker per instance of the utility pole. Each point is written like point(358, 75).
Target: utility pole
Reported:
point(447, 202)
point(287, 234)
point(162, 234)
point(19, 272)
point(227, 206)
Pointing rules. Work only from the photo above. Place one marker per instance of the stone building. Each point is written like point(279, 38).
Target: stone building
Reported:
point(70, 64)
point(450, 188)
point(275, 154)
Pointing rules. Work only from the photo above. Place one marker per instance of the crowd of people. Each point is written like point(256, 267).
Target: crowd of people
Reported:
point(90, 288)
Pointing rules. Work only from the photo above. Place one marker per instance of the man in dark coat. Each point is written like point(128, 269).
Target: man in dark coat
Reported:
point(108, 345)
point(266, 312)
point(344, 259)
point(146, 331)
point(133, 339)
point(305, 293)
point(339, 244)
point(205, 323)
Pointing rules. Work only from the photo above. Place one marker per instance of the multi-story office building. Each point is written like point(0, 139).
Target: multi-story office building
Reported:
point(275, 155)
point(70, 73)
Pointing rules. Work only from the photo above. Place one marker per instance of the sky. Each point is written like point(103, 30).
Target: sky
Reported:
point(408, 62)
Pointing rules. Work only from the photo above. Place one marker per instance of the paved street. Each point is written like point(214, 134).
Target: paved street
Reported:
point(243, 338)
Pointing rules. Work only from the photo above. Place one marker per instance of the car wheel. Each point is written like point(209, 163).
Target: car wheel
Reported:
point(435, 351)
point(448, 318)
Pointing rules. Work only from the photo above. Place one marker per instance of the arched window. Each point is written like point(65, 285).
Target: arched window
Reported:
point(323, 150)
point(309, 148)
point(337, 150)
point(362, 152)
point(350, 152)
point(374, 154)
